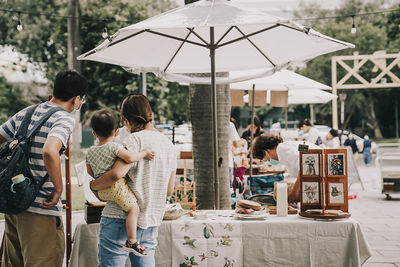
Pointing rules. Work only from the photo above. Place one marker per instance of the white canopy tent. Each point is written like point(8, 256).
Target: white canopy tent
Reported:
point(209, 37)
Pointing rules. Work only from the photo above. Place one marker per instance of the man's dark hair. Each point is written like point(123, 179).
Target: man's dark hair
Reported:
point(306, 122)
point(69, 84)
point(104, 122)
point(334, 133)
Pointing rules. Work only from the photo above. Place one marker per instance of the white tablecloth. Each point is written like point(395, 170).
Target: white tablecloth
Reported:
point(220, 240)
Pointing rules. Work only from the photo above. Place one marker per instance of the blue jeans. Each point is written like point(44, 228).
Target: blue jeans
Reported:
point(112, 239)
point(367, 157)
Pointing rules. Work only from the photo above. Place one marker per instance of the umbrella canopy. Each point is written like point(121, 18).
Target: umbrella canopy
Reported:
point(209, 37)
point(179, 41)
point(306, 96)
point(283, 80)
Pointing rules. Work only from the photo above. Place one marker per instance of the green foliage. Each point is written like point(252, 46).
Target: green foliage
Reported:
point(10, 100)
point(44, 39)
point(374, 32)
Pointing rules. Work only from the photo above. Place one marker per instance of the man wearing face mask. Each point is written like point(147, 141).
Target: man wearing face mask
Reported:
point(35, 237)
point(273, 149)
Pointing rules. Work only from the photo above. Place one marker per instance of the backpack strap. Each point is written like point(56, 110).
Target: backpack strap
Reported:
point(42, 120)
point(23, 128)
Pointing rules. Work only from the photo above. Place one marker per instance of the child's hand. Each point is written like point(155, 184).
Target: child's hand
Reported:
point(149, 154)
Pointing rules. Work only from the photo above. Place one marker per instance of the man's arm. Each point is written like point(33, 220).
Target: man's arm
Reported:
point(118, 171)
point(52, 162)
point(2, 140)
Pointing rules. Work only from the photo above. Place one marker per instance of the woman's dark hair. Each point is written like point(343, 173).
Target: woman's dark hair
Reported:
point(257, 124)
point(306, 122)
point(69, 84)
point(234, 122)
point(264, 142)
point(136, 109)
point(104, 122)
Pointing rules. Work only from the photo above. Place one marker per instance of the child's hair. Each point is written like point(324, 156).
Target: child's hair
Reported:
point(104, 122)
point(265, 142)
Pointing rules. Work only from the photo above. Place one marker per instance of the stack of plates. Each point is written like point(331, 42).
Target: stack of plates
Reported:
point(260, 216)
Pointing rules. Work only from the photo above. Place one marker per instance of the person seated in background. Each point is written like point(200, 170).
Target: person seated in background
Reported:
point(312, 136)
point(273, 149)
point(257, 130)
point(331, 140)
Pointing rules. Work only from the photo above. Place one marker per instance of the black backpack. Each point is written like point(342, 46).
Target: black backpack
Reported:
point(14, 157)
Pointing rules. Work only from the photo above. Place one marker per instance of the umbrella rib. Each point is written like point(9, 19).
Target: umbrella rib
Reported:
point(300, 30)
point(175, 38)
point(179, 48)
point(198, 36)
point(248, 35)
point(127, 37)
point(256, 47)
point(116, 42)
point(223, 36)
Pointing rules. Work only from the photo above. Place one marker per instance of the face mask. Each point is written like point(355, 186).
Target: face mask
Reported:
point(274, 161)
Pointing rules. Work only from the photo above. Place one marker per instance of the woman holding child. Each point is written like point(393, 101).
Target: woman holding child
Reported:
point(150, 181)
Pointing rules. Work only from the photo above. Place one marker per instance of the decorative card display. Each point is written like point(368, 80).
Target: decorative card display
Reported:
point(323, 179)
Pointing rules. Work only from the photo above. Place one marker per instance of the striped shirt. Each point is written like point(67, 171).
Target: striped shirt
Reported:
point(148, 178)
point(60, 124)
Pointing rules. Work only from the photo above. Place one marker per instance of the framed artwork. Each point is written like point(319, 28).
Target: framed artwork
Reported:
point(310, 163)
point(336, 164)
point(310, 193)
point(336, 194)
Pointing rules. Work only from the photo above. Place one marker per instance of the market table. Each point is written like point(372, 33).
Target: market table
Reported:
point(220, 240)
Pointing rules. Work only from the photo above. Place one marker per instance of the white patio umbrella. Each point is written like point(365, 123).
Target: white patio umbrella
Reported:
point(209, 37)
point(306, 96)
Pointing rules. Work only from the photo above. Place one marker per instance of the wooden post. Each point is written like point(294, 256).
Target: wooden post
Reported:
point(68, 207)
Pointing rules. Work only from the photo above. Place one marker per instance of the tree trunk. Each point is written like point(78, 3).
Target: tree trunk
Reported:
point(373, 123)
point(201, 119)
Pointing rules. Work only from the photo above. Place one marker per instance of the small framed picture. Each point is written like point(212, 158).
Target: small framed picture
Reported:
point(310, 193)
point(310, 163)
point(336, 164)
point(336, 194)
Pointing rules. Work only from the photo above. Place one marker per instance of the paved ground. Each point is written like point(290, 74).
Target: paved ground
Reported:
point(379, 218)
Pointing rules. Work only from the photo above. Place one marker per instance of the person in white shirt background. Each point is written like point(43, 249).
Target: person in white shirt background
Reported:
point(331, 140)
point(312, 136)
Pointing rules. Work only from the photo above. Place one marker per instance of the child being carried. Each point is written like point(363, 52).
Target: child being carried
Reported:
point(100, 159)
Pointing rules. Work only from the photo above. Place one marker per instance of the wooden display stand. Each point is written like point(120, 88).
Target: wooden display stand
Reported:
point(324, 183)
point(185, 187)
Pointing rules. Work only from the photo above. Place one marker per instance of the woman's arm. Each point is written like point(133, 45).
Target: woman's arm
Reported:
point(171, 184)
point(118, 171)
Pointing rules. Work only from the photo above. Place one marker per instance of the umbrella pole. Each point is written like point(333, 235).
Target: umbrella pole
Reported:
point(312, 113)
point(252, 129)
point(286, 118)
point(214, 121)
